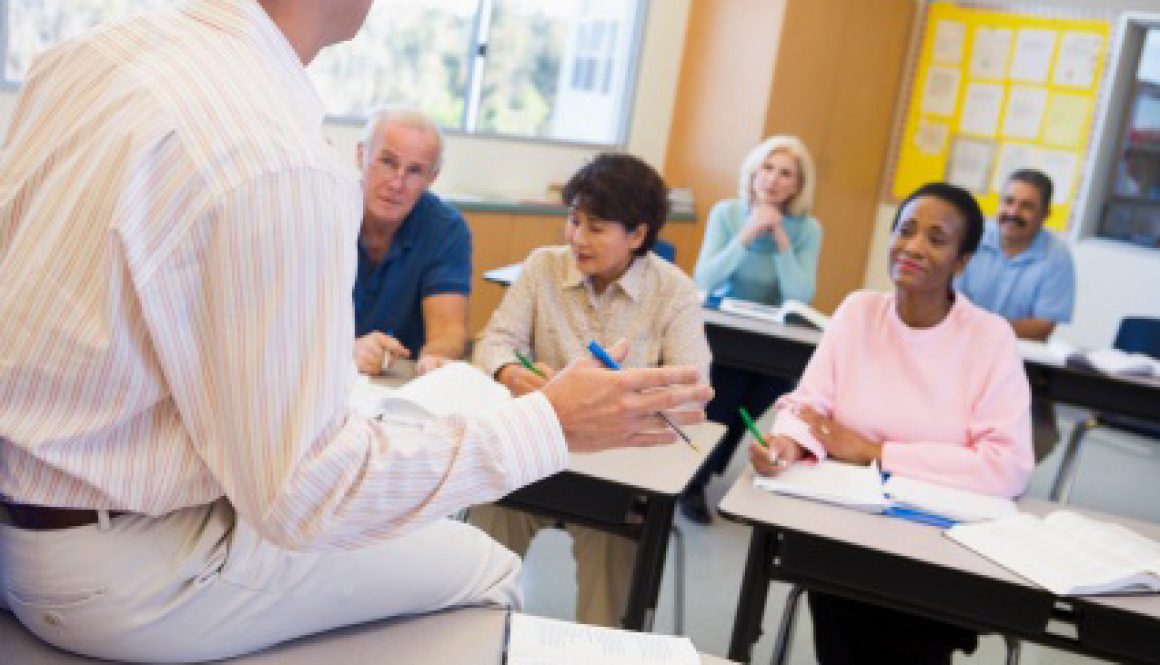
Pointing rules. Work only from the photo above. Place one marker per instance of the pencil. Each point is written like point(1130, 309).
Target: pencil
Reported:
point(529, 366)
point(752, 427)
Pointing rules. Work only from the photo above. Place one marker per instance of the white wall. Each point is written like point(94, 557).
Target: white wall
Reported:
point(1114, 279)
point(522, 169)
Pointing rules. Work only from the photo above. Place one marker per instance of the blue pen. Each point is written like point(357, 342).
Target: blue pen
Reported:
point(919, 516)
point(605, 359)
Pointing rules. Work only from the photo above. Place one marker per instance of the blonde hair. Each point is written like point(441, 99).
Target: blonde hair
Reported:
point(802, 202)
point(407, 117)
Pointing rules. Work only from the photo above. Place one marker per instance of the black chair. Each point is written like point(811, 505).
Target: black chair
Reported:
point(1136, 335)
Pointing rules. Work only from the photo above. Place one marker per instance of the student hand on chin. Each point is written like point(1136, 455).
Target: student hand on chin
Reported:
point(840, 442)
point(781, 452)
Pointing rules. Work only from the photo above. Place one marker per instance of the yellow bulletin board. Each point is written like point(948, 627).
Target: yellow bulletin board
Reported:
point(994, 91)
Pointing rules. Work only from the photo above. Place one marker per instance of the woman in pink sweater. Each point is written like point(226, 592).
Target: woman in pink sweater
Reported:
point(926, 384)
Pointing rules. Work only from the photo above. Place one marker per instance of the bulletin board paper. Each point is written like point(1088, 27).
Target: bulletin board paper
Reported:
point(996, 90)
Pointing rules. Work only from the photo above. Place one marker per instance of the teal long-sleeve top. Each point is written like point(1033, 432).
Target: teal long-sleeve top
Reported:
point(760, 272)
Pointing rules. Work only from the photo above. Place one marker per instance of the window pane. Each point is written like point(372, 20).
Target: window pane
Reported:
point(558, 69)
point(35, 25)
point(411, 52)
point(1132, 212)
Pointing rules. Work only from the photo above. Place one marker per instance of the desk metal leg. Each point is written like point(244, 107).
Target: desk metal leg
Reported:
point(754, 591)
point(650, 564)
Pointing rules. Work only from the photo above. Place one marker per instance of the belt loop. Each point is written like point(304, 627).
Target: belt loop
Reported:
point(103, 523)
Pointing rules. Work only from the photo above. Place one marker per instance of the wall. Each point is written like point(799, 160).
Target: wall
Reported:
point(1114, 279)
point(522, 169)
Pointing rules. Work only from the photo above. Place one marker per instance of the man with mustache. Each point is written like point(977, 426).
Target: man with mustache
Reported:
point(414, 250)
point(1025, 274)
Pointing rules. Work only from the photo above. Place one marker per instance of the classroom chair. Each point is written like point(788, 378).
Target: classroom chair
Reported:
point(1135, 335)
point(781, 644)
point(666, 250)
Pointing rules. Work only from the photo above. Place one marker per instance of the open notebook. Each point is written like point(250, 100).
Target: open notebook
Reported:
point(862, 488)
point(791, 312)
point(1067, 553)
point(534, 640)
point(454, 388)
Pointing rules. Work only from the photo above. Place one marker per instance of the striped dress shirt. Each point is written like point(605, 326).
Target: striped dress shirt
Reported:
point(177, 251)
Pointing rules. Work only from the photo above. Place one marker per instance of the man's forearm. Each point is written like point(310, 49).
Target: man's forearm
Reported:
point(1035, 329)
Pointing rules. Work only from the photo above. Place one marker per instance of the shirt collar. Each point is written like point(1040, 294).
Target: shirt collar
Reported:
point(247, 20)
point(631, 282)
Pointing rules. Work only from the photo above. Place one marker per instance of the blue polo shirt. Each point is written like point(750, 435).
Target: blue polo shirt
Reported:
point(430, 254)
point(1037, 283)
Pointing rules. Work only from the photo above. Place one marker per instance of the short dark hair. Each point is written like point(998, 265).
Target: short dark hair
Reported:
point(620, 188)
point(962, 200)
point(1037, 179)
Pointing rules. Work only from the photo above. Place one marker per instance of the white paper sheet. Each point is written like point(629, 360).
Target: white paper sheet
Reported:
point(989, 53)
point(970, 164)
point(1024, 113)
point(538, 641)
point(941, 91)
point(948, 42)
point(1065, 120)
point(1032, 58)
point(931, 137)
point(981, 108)
point(1078, 57)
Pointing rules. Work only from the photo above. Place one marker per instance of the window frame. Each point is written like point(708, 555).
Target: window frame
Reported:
point(476, 54)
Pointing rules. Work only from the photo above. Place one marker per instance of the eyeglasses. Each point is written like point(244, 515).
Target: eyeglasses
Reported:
point(411, 174)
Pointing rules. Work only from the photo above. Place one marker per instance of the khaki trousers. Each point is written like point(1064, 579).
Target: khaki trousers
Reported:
point(604, 562)
point(199, 585)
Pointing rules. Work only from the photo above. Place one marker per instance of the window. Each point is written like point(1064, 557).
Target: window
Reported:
point(1132, 210)
point(542, 69)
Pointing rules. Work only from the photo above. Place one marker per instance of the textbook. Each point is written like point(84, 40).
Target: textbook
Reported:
point(862, 488)
point(1105, 361)
point(457, 387)
point(1067, 553)
point(535, 640)
point(791, 312)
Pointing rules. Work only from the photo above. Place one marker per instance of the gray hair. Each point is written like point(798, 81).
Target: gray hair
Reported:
point(408, 117)
point(803, 201)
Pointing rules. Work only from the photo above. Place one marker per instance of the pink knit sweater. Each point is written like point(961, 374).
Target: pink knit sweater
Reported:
point(950, 403)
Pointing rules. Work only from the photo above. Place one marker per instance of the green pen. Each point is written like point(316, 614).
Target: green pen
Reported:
point(529, 366)
point(752, 427)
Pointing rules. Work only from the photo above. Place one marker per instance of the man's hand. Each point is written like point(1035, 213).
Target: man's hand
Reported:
point(428, 362)
point(522, 381)
point(601, 409)
point(371, 349)
point(841, 442)
point(781, 452)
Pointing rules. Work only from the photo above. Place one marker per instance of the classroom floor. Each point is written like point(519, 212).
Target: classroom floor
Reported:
point(1117, 474)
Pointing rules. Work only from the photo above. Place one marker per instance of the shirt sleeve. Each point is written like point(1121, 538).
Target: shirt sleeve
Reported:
point(510, 327)
point(1056, 298)
point(997, 458)
point(684, 340)
point(721, 251)
point(260, 366)
point(817, 386)
point(449, 271)
point(797, 269)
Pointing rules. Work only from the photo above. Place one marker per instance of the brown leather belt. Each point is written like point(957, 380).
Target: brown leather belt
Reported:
point(43, 518)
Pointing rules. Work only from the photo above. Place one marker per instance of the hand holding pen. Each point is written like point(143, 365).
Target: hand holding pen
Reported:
point(600, 354)
point(770, 454)
point(525, 377)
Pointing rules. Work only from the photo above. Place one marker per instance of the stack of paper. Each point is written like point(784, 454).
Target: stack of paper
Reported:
point(538, 641)
point(1067, 554)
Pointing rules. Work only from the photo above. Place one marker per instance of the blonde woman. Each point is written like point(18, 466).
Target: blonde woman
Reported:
point(762, 246)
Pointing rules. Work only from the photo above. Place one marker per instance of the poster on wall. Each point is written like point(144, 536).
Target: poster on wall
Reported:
point(997, 90)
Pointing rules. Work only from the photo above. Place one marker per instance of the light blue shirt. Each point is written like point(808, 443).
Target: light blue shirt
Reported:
point(1038, 283)
point(760, 272)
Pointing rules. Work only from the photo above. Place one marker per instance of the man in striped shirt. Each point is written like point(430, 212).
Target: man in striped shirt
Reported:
point(180, 476)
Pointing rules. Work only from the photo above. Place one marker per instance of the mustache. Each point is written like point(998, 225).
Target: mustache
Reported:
point(1012, 219)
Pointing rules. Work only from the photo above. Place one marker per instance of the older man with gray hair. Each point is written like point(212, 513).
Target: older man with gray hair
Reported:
point(414, 250)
